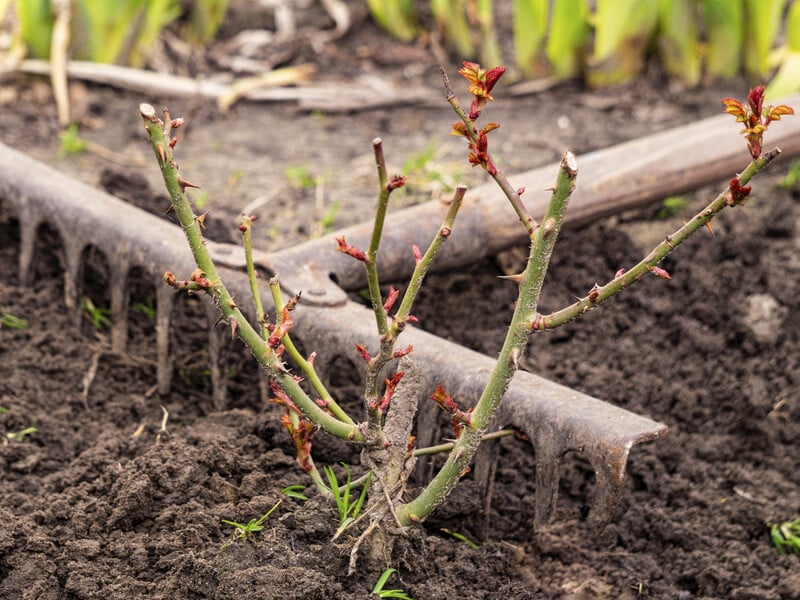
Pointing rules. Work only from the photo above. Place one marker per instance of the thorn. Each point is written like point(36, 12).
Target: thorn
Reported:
point(234, 327)
point(201, 220)
point(170, 208)
point(184, 183)
point(518, 277)
point(710, 229)
point(162, 152)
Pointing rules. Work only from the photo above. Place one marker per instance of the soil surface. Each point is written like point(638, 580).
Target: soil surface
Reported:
point(99, 502)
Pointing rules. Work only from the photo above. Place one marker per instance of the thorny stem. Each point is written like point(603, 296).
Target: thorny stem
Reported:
point(388, 340)
point(247, 239)
point(159, 137)
point(599, 294)
point(375, 240)
point(542, 243)
point(424, 263)
point(499, 177)
point(302, 363)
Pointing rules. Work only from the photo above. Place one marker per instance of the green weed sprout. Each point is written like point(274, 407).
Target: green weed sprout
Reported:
point(241, 531)
point(69, 143)
point(98, 317)
point(461, 538)
point(146, 308)
point(19, 436)
point(380, 592)
point(295, 491)
point(786, 536)
point(671, 207)
point(348, 511)
point(10, 321)
point(384, 436)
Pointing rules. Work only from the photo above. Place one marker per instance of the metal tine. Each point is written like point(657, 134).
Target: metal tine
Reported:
point(554, 417)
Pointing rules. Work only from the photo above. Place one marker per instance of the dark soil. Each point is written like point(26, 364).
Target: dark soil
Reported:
point(99, 503)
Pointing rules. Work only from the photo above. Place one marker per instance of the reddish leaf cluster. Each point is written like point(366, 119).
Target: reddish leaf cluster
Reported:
point(481, 83)
point(478, 145)
point(346, 248)
point(458, 417)
point(281, 329)
point(391, 386)
point(300, 429)
point(738, 191)
point(755, 116)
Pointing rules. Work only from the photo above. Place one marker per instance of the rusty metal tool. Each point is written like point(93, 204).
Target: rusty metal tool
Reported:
point(555, 418)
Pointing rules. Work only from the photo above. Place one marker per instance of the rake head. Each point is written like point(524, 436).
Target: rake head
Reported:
point(554, 418)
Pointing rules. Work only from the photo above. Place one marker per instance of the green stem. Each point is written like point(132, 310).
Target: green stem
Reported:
point(377, 230)
point(424, 264)
point(247, 239)
point(303, 364)
point(446, 447)
point(499, 177)
point(159, 137)
point(598, 295)
point(464, 449)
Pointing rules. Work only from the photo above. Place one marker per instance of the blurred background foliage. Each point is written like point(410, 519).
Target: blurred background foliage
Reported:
point(602, 42)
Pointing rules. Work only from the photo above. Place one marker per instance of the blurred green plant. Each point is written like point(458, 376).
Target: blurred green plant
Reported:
point(98, 317)
point(787, 78)
point(622, 32)
point(380, 592)
point(671, 207)
point(147, 308)
point(10, 321)
point(724, 25)
point(19, 436)
point(609, 42)
point(116, 31)
point(461, 538)
point(792, 175)
point(762, 26)
point(69, 143)
point(395, 16)
point(679, 39)
point(299, 177)
point(786, 536)
point(205, 19)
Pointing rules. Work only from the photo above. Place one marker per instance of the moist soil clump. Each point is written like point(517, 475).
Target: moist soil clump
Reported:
point(120, 493)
